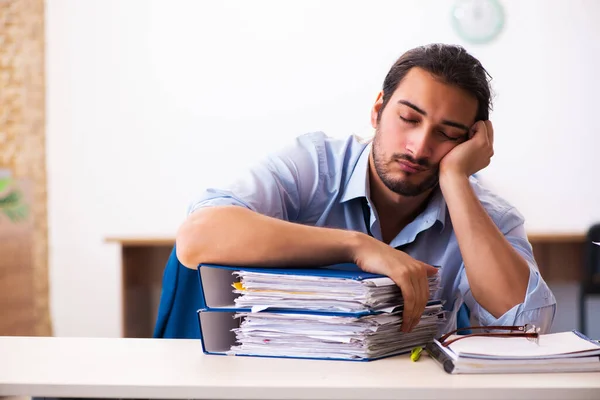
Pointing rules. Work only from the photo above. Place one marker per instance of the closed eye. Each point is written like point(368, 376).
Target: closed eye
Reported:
point(451, 138)
point(408, 121)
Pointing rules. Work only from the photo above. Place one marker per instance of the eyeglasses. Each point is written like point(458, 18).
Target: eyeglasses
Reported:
point(531, 332)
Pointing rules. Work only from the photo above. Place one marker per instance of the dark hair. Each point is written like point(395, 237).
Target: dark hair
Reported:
point(452, 64)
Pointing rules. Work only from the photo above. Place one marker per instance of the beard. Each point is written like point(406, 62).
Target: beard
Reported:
point(397, 184)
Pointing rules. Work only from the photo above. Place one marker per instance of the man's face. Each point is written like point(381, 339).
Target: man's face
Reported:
point(423, 120)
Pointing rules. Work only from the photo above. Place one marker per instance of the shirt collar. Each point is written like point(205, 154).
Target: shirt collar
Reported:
point(436, 208)
point(358, 186)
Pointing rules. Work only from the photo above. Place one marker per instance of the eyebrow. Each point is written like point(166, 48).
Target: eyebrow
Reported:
point(444, 122)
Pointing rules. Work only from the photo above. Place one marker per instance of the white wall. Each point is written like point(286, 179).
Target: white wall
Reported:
point(150, 101)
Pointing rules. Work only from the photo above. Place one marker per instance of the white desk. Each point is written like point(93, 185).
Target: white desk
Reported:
point(149, 368)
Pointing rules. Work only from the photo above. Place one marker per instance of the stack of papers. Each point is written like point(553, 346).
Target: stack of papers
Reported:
point(555, 352)
point(316, 315)
point(260, 291)
point(331, 336)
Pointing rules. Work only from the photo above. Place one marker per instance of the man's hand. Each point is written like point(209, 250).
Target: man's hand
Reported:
point(473, 155)
point(409, 274)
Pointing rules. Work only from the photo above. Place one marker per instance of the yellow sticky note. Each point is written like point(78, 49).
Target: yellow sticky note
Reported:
point(240, 286)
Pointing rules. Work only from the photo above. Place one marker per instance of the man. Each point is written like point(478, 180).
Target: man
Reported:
point(396, 206)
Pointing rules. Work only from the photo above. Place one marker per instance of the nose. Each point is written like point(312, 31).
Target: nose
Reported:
point(418, 143)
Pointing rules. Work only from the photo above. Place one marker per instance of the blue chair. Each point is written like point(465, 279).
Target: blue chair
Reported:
point(463, 319)
point(179, 301)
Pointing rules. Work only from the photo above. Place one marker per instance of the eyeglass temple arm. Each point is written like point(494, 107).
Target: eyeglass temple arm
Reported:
point(524, 334)
point(491, 327)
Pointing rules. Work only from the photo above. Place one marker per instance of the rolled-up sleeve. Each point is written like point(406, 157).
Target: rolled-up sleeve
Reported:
point(539, 306)
point(279, 186)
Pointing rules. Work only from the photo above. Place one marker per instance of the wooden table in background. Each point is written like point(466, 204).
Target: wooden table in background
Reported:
point(143, 262)
point(559, 256)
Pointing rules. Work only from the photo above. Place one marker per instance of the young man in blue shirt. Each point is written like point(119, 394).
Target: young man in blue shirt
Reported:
point(395, 205)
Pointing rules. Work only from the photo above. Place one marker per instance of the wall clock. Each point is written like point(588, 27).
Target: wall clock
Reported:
point(478, 21)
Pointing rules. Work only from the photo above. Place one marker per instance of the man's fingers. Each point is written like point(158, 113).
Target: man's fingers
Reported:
point(408, 296)
point(476, 129)
point(482, 132)
point(420, 283)
point(425, 284)
point(490, 132)
point(414, 280)
point(431, 271)
point(473, 130)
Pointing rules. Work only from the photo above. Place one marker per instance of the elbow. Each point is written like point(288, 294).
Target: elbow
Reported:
point(190, 243)
point(516, 292)
point(507, 303)
point(511, 302)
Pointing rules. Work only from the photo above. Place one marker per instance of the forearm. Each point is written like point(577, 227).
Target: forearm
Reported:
point(233, 235)
point(497, 274)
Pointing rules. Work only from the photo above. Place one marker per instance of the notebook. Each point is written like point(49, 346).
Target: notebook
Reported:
point(555, 352)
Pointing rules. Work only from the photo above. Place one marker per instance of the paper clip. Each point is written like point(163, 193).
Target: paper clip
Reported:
point(415, 354)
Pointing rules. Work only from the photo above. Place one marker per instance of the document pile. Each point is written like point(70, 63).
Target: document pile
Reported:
point(331, 336)
point(324, 292)
point(555, 352)
point(326, 313)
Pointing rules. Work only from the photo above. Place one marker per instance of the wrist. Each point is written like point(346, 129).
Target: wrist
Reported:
point(356, 244)
point(449, 178)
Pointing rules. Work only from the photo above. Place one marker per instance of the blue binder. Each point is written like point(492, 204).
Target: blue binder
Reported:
point(216, 280)
point(216, 314)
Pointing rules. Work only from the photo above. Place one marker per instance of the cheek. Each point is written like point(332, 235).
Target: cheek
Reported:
point(392, 135)
point(441, 151)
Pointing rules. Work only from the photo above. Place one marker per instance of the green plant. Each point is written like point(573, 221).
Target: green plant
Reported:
point(12, 203)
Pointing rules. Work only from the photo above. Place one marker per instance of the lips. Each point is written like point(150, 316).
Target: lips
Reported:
point(410, 167)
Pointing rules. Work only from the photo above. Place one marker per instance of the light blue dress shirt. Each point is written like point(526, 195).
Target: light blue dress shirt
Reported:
point(320, 181)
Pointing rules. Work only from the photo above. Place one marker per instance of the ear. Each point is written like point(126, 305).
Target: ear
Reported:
point(376, 108)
